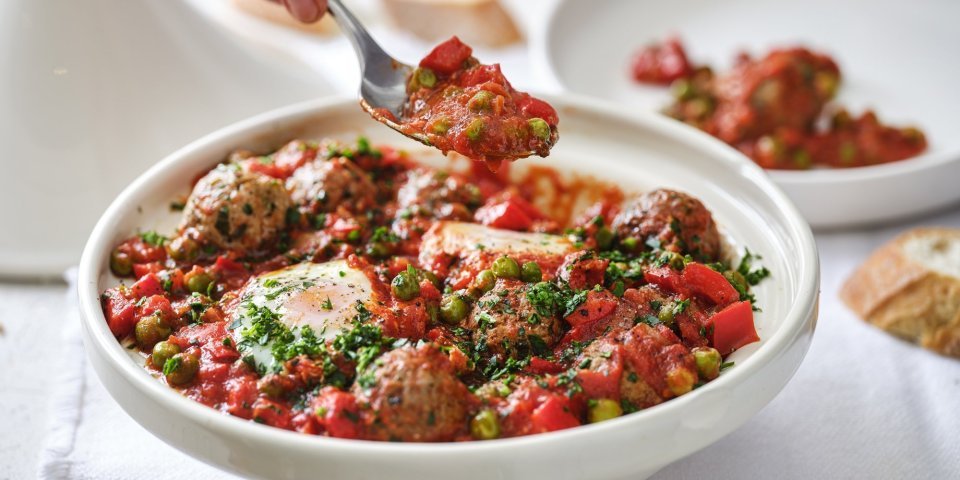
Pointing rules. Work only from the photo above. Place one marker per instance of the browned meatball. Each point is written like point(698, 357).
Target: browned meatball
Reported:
point(510, 324)
point(655, 365)
point(413, 395)
point(680, 223)
point(437, 194)
point(325, 185)
point(233, 209)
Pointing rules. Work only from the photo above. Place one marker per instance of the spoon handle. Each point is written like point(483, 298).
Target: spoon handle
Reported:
point(368, 50)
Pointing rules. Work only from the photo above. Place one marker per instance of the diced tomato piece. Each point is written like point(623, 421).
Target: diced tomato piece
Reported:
point(483, 74)
point(147, 285)
point(200, 334)
point(540, 366)
point(337, 412)
point(447, 57)
point(143, 252)
point(665, 278)
point(119, 311)
point(706, 282)
point(596, 306)
point(507, 214)
point(271, 413)
point(283, 163)
point(583, 270)
point(534, 107)
point(733, 327)
point(157, 304)
point(553, 414)
point(241, 393)
point(661, 63)
point(141, 269)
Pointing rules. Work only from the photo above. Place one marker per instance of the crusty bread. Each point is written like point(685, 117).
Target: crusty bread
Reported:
point(476, 22)
point(910, 287)
point(276, 13)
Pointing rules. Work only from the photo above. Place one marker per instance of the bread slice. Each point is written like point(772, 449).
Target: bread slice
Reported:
point(476, 22)
point(910, 287)
point(276, 13)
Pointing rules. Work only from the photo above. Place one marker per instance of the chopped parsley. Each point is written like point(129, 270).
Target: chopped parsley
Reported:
point(151, 237)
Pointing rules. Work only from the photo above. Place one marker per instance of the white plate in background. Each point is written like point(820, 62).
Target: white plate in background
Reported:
point(899, 58)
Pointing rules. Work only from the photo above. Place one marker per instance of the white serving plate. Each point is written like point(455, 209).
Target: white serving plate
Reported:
point(897, 57)
point(636, 151)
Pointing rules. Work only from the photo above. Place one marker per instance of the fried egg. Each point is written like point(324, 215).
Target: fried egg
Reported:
point(323, 298)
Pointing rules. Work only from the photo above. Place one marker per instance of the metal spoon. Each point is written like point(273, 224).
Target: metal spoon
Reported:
point(383, 84)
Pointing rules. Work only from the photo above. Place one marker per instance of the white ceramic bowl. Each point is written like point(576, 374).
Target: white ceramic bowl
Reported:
point(639, 152)
point(588, 47)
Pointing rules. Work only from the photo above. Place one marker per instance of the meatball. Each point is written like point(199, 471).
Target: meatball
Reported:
point(233, 209)
point(511, 324)
point(325, 185)
point(436, 194)
point(654, 366)
point(680, 222)
point(413, 395)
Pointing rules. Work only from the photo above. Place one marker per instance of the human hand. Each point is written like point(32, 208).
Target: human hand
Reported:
point(306, 11)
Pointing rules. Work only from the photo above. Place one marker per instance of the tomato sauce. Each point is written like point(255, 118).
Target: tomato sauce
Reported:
point(485, 316)
point(776, 109)
point(458, 104)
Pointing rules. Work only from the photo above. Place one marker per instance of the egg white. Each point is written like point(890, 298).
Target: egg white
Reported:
point(321, 296)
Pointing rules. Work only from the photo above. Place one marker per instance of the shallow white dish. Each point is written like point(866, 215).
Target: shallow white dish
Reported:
point(896, 57)
point(639, 152)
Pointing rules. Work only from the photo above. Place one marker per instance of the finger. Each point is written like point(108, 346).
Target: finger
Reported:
point(306, 11)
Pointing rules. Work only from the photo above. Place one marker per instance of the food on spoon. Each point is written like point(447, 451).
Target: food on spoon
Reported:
point(458, 104)
point(910, 287)
point(348, 291)
point(776, 109)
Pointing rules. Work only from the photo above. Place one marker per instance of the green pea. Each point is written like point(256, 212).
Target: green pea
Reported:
point(665, 315)
point(603, 409)
point(183, 249)
point(199, 282)
point(484, 281)
point(426, 77)
point(682, 89)
point(801, 159)
point(378, 250)
point(708, 362)
point(530, 272)
point(150, 330)
point(540, 128)
point(405, 285)
point(505, 267)
point(440, 126)
point(481, 101)
point(353, 236)
point(474, 129)
point(485, 425)
point(604, 238)
point(181, 368)
point(453, 309)
point(430, 277)
point(848, 152)
point(120, 263)
point(630, 244)
point(163, 351)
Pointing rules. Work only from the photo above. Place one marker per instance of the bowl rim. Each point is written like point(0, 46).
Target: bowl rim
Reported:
point(820, 176)
point(97, 249)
